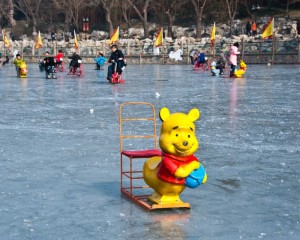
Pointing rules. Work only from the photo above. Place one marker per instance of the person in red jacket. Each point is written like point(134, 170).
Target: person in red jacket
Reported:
point(59, 57)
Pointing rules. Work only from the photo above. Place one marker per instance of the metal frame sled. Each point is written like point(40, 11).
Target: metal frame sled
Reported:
point(116, 78)
point(133, 185)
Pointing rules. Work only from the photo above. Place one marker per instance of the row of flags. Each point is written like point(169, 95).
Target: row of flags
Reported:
point(115, 37)
point(39, 42)
point(267, 33)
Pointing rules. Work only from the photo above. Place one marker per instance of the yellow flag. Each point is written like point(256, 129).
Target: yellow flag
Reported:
point(159, 38)
point(76, 41)
point(269, 29)
point(38, 43)
point(5, 39)
point(114, 37)
point(213, 35)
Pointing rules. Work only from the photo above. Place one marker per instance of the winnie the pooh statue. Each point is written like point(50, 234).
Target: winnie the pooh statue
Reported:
point(178, 167)
point(240, 72)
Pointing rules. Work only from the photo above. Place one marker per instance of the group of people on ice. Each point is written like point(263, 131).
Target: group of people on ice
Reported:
point(118, 63)
point(49, 63)
point(197, 58)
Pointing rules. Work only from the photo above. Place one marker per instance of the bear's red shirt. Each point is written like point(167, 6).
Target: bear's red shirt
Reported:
point(168, 166)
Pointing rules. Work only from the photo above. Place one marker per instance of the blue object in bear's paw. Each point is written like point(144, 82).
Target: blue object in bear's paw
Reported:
point(195, 178)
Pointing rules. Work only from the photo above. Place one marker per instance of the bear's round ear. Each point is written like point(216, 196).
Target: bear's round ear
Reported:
point(164, 114)
point(194, 114)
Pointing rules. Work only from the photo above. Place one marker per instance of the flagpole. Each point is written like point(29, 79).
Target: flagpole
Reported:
point(214, 50)
point(213, 39)
point(243, 48)
point(4, 49)
point(273, 47)
point(273, 43)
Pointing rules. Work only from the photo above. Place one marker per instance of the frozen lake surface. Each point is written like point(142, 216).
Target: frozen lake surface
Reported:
point(59, 163)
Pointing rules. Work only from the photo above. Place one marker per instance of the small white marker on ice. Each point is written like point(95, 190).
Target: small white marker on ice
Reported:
point(91, 110)
point(269, 64)
point(157, 94)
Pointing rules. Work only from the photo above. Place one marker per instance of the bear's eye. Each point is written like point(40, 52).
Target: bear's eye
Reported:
point(189, 136)
point(176, 135)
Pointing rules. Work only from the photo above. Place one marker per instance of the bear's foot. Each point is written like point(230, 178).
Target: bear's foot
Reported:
point(164, 199)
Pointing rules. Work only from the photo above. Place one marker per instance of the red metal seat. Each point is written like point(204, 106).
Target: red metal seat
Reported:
point(142, 153)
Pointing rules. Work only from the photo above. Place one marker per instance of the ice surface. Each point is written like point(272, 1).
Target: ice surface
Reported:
point(59, 161)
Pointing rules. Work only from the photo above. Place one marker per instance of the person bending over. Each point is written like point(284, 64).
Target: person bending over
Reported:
point(75, 60)
point(220, 65)
point(201, 57)
point(100, 60)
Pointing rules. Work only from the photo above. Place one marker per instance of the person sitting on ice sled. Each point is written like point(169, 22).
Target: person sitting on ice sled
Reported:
point(220, 65)
point(18, 61)
point(201, 57)
point(49, 64)
point(59, 57)
point(75, 60)
point(100, 60)
point(116, 57)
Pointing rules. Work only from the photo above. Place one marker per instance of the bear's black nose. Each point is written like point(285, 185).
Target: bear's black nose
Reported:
point(185, 143)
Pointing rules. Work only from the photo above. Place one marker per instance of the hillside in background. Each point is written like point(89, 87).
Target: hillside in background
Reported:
point(29, 16)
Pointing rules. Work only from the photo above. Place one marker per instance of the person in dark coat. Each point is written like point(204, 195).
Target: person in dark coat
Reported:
point(75, 63)
point(116, 57)
point(248, 28)
point(49, 62)
point(49, 65)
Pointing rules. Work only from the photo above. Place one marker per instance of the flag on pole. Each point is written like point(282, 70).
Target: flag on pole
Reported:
point(76, 41)
point(213, 35)
point(114, 37)
point(159, 38)
point(5, 39)
point(39, 43)
point(268, 30)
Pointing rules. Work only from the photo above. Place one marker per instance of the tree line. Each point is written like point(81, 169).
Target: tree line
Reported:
point(107, 14)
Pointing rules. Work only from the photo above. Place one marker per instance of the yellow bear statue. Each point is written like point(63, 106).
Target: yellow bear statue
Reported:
point(240, 72)
point(23, 70)
point(177, 168)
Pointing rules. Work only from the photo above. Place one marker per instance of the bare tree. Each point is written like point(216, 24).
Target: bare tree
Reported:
point(125, 7)
point(247, 5)
point(169, 8)
point(232, 7)
point(71, 10)
point(199, 7)
point(288, 3)
point(143, 14)
point(107, 7)
point(10, 12)
point(30, 8)
point(7, 12)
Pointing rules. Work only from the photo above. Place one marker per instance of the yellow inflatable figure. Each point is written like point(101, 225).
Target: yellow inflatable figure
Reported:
point(23, 70)
point(21, 67)
point(178, 167)
point(240, 72)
